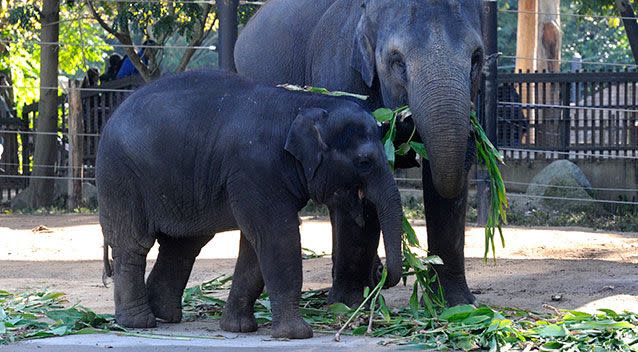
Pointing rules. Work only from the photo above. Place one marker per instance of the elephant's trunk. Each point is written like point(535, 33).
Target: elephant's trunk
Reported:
point(384, 194)
point(441, 109)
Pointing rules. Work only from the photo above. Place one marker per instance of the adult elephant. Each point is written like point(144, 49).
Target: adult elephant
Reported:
point(424, 53)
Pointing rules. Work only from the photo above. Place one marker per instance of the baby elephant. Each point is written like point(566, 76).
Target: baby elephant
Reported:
point(203, 152)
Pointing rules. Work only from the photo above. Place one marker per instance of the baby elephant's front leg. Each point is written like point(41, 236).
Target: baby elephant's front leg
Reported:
point(280, 262)
point(279, 254)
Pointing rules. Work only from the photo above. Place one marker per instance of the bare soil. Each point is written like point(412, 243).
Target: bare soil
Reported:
point(587, 269)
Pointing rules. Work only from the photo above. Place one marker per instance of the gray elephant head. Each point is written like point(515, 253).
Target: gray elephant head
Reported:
point(427, 54)
point(344, 162)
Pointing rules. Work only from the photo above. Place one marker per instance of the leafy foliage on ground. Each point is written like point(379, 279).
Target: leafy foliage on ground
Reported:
point(461, 327)
point(42, 314)
point(39, 314)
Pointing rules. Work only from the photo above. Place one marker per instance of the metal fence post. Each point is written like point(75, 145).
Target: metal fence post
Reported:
point(575, 66)
point(490, 27)
point(565, 129)
point(227, 36)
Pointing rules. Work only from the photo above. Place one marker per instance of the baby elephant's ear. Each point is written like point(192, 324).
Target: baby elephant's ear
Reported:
point(304, 140)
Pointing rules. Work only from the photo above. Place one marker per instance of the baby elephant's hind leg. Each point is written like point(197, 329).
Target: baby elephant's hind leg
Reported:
point(131, 301)
point(247, 286)
point(170, 274)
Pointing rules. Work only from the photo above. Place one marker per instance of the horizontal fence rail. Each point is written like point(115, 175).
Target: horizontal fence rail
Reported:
point(542, 116)
point(568, 115)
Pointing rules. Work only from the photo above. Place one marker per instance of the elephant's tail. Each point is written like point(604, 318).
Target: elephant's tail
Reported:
point(108, 267)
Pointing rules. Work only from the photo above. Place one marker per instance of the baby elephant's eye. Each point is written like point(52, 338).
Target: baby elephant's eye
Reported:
point(363, 164)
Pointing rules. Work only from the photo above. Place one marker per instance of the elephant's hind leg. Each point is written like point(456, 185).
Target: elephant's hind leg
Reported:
point(170, 274)
point(248, 284)
point(131, 300)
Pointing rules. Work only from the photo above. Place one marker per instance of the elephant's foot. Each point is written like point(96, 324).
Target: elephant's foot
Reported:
point(238, 321)
point(165, 308)
point(292, 328)
point(456, 291)
point(350, 297)
point(136, 318)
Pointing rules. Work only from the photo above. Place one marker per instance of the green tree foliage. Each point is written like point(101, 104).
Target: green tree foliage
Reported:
point(595, 39)
point(82, 46)
point(202, 57)
point(133, 23)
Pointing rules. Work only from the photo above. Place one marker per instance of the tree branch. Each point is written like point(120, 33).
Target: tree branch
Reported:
point(99, 19)
point(196, 40)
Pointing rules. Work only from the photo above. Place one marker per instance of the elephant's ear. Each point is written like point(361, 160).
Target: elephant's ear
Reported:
point(304, 140)
point(363, 52)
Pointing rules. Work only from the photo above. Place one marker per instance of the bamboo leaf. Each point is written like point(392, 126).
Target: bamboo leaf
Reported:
point(419, 148)
point(383, 114)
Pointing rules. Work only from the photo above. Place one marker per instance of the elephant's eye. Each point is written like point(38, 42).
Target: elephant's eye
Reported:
point(477, 63)
point(397, 63)
point(364, 164)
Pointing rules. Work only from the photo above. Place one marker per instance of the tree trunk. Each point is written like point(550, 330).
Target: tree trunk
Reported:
point(41, 187)
point(631, 26)
point(548, 52)
point(550, 37)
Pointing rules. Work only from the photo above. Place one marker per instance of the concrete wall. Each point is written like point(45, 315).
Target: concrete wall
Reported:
point(620, 174)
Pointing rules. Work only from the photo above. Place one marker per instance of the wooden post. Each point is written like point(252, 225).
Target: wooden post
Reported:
point(526, 36)
point(76, 145)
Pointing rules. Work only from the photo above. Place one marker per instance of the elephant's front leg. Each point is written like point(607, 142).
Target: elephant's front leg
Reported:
point(445, 221)
point(279, 252)
point(354, 255)
point(248, 284)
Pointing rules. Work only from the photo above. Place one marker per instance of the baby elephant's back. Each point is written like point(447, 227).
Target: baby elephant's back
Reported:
point(163, 136)
point(175, 117)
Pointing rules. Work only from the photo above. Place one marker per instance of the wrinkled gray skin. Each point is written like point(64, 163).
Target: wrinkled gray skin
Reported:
point(190, 155)
point(424, 53)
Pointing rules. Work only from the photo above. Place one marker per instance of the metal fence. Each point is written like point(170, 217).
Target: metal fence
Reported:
point(574, 115)
point(18, 134)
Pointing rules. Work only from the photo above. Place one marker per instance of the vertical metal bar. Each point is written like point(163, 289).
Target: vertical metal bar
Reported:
point(579, 120)
point(490, 25)
point(625, 131)
point(634, 120)
point(566, 118)
point(227, 10)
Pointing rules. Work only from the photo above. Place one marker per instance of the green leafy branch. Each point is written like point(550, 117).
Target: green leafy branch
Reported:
point(490, 157)
point(487, 155)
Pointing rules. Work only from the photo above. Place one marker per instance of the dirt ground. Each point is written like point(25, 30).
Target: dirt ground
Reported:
point(587, 269)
